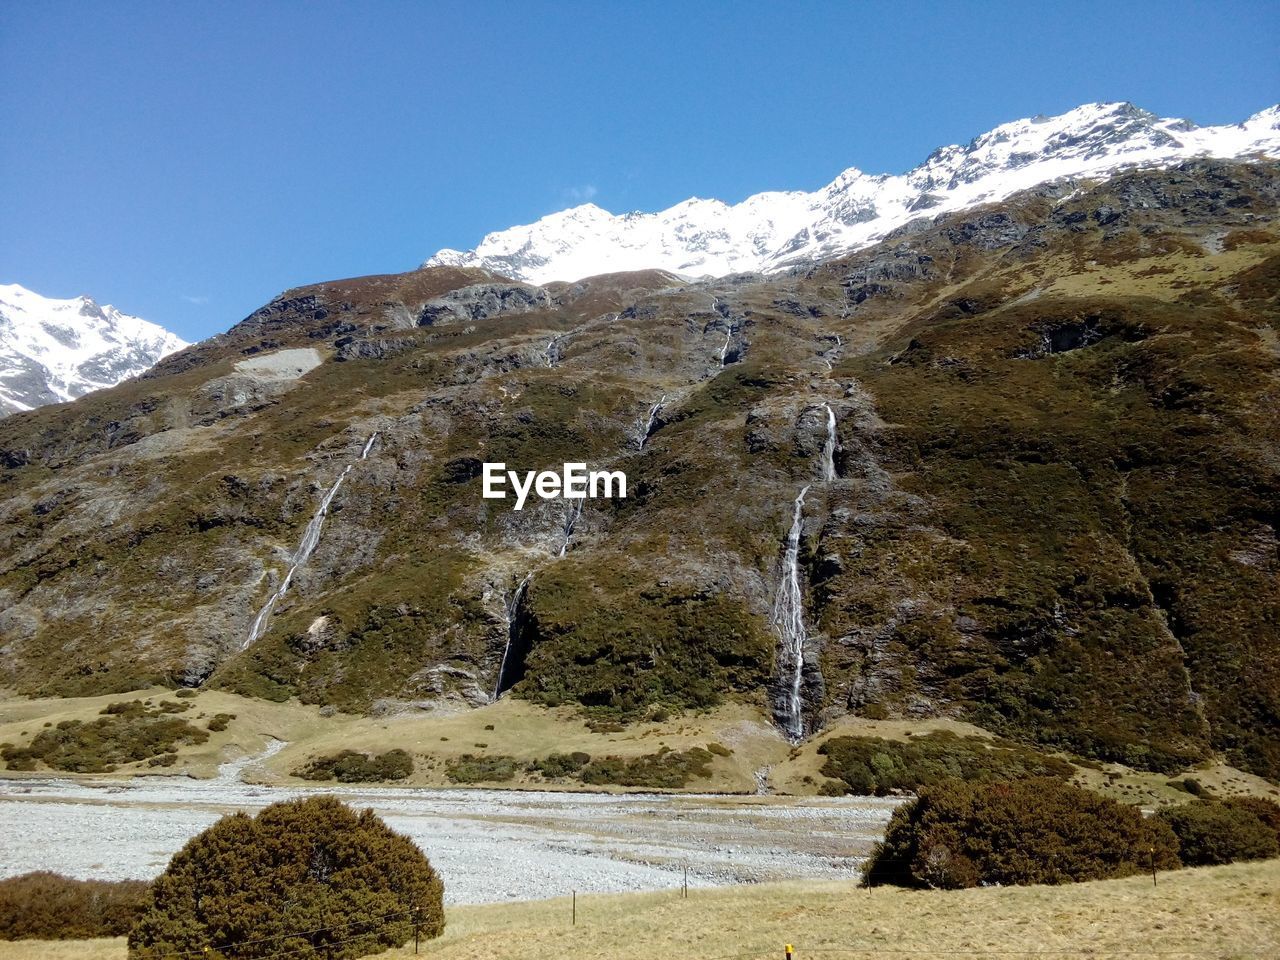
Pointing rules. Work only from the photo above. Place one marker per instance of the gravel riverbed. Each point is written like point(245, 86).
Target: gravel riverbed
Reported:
point(489, 845)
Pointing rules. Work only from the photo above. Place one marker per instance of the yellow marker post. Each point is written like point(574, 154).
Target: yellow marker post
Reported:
point(789, 951)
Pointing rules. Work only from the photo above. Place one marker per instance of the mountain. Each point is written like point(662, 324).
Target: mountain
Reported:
point(772, 231)
point(1014, 464)
point(52, 351)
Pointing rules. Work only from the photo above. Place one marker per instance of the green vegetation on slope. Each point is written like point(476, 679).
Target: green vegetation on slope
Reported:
point(872, 765)
point(127, 733)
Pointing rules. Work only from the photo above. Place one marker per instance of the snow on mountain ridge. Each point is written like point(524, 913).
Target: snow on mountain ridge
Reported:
point(56, 350)
point(772, 230)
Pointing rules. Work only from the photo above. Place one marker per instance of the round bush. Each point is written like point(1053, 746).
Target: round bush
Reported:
point(1210, 832)
point(1037, 830)
point(311, 878)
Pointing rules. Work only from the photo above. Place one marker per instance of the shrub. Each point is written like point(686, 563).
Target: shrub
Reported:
point(663, 771)
point(1268, 811)
point(48, 906)
point(311, 866)
point(1037, 830)
point(127, 732)
point(871, 765)
point(220, 721)
point(350, 766)
point(1210, 832)
point(562, 764)
point(469, 768)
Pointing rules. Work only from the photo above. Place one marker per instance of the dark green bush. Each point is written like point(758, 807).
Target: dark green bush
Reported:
point(220, 721)
point(1037, 830)
point(562, 764)
point(250, 887)
point(1210, 832)
point(128, 732)
point(1268, 811)
point(350, 766)
point(48, 906)
point(666, 770)
point(469, 768)
point(871, 765)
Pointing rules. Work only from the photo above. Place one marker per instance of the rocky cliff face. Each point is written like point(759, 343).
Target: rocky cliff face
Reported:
point(52, 351)
point(1036, 439)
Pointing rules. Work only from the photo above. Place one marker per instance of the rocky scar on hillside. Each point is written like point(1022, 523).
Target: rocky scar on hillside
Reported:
point(1038, 440)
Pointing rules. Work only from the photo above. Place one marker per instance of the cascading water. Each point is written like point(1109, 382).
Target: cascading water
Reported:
point(552, 351)
point(724, 350)
point(310, 537)
point(829, 447)
point(572, 512)
point(647, 427)
point(788, 620)
point(511, 607)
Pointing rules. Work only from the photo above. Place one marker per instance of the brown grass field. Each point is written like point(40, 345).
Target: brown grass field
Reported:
point(523, 730)
point(1220, 912)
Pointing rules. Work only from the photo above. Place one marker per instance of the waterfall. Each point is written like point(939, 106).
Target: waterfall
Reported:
point(829, 447)
point(725, 349)
point(788, 620)
point(511, 607)
point(310, 537)
point(647, 427)
point(552, 352)
point(572, 512)
point(725, 313)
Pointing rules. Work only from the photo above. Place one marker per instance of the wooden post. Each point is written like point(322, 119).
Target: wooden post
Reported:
point(416, 927)
point(575, 908)
point(1152, 852)
point(685, 889)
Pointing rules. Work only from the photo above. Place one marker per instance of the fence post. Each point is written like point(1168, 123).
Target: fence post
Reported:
point(575, 908)
point(416, 928)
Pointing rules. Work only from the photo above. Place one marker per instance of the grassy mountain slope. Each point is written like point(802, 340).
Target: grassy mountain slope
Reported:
point(1054, 514)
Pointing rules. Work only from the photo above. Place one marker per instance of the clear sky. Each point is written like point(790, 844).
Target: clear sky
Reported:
point(188, 161)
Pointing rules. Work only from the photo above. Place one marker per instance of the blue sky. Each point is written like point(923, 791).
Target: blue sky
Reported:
point(187, 162)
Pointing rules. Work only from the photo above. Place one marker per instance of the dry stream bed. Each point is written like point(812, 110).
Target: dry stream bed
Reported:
point(490, 846)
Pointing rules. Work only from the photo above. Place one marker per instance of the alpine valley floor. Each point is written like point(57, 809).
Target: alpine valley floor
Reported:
point(1231, 911)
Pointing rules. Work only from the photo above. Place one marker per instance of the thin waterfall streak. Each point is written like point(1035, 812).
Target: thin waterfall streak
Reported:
point(511, 608)
point(648, 424)
point(306, 545)
point(788, 620)
point(724, 350)
point(552, 352)
point(829, 447)
point(571, 517)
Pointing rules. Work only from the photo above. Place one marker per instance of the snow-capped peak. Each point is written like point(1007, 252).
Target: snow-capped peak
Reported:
point(56, 350)
point(770, 231)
